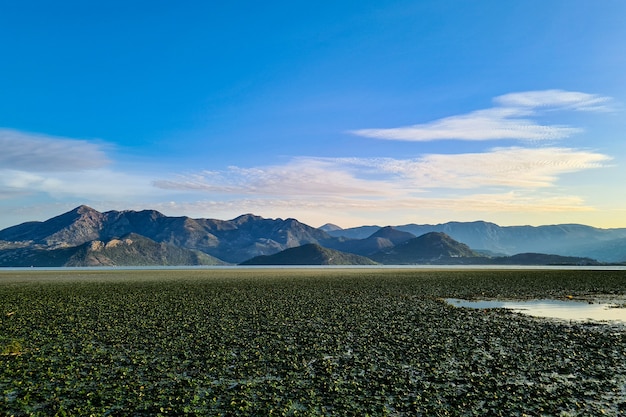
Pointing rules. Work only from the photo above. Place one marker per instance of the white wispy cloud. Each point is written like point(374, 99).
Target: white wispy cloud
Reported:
point(479, 125)
point(63, 168)
point(513, 167)
point(512, 201)
point(510, 119)
point(89, 184)
point(40, 153)
point(501, 181)
point(391, 177)
point(558, 99)
point(301, 176)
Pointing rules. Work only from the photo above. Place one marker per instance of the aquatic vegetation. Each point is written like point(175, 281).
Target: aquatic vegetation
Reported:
point(11, 347)
point(303, 342)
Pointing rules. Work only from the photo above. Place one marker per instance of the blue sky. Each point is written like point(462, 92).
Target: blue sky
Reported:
point(351, 112)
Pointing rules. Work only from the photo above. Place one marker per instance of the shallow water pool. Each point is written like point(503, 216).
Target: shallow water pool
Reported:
point(557, 309)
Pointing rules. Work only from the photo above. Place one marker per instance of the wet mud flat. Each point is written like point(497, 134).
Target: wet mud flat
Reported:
point(303, 342)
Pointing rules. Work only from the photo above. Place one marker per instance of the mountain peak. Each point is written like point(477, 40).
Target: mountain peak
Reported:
point(245, 218)
point(329, 227)
point(80, 211)
point(83, 209)
point(392, 234)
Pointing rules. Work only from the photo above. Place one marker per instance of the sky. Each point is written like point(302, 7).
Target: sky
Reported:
point(350, 112)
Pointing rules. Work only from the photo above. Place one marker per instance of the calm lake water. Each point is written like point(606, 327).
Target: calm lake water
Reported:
point(416, 267)
point(557, 309)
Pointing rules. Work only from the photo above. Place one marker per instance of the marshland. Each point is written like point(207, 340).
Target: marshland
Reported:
point(305, 342)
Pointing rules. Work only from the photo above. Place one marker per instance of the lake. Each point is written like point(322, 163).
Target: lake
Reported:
point(557, 309)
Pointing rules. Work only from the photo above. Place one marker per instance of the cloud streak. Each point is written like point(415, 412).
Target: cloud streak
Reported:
point(479, 202)
point(32, 164)
point(510, 119)
point(555, 99)
point(301, 176)
point(90, 184)
point(480, 125)
point(353, 211)
point(506, 167)
point(41, 153)
point(389, 177)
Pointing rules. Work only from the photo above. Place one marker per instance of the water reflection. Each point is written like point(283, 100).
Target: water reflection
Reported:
point(565, 310)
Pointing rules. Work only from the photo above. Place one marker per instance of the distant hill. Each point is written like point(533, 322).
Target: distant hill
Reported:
point(329, 227)
point(309, 254)
point(429, 248)
point(606, 245)
point(360, 232)
point(542, 259)
point(381, 239)
point(613, 250)
point(392, 234)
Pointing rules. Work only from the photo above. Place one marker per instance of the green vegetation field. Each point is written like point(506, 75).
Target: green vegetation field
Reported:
point(304, 343)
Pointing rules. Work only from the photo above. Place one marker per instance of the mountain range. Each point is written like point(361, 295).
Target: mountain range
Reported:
point(87, 237)
point(605, 245)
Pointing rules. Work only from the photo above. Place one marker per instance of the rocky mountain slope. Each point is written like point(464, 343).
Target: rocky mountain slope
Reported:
point(129, 250)
point(136, 250)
